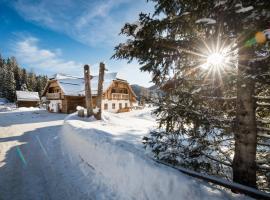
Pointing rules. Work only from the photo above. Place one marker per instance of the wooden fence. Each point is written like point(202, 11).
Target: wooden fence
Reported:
point(224, 183)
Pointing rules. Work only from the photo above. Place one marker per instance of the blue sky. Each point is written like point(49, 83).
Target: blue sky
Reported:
point(50, 36)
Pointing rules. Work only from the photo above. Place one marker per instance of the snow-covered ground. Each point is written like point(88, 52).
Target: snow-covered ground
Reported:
point(32, 165)
point(110, 155)
point(55, 156)
point(4, 107)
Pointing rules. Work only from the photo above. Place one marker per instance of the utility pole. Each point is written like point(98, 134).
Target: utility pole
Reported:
point(100, 89)
point(88, 95)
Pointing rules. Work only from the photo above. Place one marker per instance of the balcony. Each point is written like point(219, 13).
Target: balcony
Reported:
point(120, 96)
point(52, 96)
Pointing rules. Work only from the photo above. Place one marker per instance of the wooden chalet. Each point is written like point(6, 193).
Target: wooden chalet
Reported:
point(27, 99)
point(64, 93)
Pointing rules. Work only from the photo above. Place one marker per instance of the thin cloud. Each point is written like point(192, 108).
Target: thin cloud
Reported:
point(94, 23)
point(27, 51)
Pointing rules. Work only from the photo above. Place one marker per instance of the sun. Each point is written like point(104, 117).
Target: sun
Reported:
point(215, 59)
point(218, 59)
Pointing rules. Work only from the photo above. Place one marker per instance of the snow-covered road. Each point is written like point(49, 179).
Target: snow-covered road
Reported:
point(31, 161)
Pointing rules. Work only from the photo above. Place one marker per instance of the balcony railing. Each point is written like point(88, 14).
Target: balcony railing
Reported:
point(120, 96)
point(52, 96)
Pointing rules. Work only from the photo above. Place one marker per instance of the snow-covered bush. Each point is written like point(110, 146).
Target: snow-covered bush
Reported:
point(178, 149)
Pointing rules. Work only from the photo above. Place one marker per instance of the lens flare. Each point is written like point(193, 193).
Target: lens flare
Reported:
point(215, 59)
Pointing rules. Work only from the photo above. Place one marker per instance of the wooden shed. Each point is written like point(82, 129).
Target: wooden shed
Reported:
point(27, 99)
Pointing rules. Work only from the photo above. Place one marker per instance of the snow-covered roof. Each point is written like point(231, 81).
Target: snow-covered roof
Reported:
point(73, 86)
point(59, 76)
point(27, 96)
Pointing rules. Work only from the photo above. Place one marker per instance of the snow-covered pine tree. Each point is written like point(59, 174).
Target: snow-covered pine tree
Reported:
point(10, 83)
point(31, 81)
point(207, 111)
point(24, 79)
point(44, 80)
point(17, 73)
point(13, 77)
point(2, 75)
point(39, 86)
point(40, 83)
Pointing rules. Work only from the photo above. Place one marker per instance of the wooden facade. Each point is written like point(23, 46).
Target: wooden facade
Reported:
point(118, 97)
point(27, 104)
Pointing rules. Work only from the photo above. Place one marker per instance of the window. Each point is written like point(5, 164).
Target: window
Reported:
point(113, 106)
point(105, 106)
point(126, 105)
point(120, 105)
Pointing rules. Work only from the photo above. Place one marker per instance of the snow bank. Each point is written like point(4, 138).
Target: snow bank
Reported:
point(123, 168)
point(28, 109)
point(11, 107)
point(6, 107)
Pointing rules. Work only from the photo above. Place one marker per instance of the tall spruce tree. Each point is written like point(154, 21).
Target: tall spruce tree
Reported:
point(24, 80)
point(16, 72)
point(207, 113)
point(13, 78)
point(2, 75)
point(31, 81)
point(10, 83)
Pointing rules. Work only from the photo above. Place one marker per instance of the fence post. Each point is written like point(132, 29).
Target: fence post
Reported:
point(100, 90)
point(88, 95)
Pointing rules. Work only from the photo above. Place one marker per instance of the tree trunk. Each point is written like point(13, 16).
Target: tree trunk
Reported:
point(88, 95)
point(244, 162)
point(100, 89)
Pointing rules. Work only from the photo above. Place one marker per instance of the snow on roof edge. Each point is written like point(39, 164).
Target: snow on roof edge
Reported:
point(27, 96)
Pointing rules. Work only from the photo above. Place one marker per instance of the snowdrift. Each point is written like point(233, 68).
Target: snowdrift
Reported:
point(124, 169)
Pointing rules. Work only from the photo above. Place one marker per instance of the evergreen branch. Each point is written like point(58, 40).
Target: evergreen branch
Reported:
point(263, 104)
point(263, 129)
point(219, 161)
point(262, 97)
point(263, 144)
point(263, 135)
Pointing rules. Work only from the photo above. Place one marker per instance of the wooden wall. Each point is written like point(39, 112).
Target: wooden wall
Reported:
point(119, 85)
point(69, 103)
point(27, 103)
point(55, 88)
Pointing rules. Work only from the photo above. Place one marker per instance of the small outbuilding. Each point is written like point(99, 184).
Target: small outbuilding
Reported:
point(27, 99)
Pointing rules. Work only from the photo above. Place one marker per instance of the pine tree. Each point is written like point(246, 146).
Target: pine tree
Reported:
point(24, 79)
point(13, 77)
point(2, 75)
point(31, 81)
point(204, 110)
point(10, 83)
point(17, 73)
